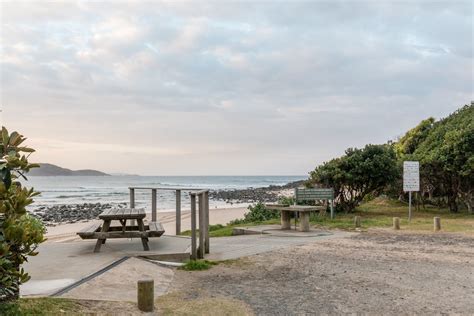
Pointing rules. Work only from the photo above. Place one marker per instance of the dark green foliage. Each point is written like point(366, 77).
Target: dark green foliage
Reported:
point(286, 200)
point(198, 265)
point(215, 227)
point(446, 156)
point(20, 233)
point(358, 173)
point(257, 213)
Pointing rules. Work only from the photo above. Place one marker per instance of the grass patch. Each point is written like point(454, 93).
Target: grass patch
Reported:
point(379, 213)
point(41, 306)
point(198, 265)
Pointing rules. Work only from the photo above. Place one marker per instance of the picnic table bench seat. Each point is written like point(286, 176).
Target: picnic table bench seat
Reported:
point(153, 229)
point(104, 231)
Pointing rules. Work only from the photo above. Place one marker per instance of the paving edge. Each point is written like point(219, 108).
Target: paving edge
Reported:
point(89, 277)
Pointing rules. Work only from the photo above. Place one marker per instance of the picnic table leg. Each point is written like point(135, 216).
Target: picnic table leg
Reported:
point(285, 220)
point(304, 221)
point(105, 228)
point(141, 227)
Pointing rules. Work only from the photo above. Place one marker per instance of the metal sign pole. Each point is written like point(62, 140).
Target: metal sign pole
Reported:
point(409, 206)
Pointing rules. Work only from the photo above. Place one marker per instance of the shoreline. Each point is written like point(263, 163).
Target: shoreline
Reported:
point(67, 231)
point(55, 214)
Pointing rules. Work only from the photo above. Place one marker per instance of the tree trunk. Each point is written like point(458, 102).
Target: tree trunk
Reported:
point(453, 206)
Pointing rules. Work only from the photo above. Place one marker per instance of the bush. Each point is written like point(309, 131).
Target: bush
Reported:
point(197, 265)
point(286, 200)
point(257, 213)
point(20, 233)
point(357, 174)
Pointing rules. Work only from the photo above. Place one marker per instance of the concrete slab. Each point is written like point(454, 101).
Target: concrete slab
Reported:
point(275, 230)
point(60, 264)
point(225, 248)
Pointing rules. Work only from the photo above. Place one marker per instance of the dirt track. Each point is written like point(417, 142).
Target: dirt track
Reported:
point(379, 272)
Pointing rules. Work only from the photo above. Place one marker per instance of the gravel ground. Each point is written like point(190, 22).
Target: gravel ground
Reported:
point(379, 272)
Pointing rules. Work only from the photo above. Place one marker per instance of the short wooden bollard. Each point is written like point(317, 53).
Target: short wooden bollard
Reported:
point(145, 295)
point(437, 223)
point(357, 221)
point(396, 223)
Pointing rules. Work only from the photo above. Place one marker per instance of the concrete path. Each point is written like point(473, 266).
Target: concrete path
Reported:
point(60, 264)
point(225, 248)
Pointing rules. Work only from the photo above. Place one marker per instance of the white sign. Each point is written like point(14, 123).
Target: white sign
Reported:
point(411, 176)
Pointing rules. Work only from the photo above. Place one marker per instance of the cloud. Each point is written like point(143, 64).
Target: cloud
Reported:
point(237, 82)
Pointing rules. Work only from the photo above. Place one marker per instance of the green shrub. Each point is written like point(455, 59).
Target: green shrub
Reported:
point(357, 174)
point(20, 233)
point(215, 227)
point(198, 265)
point(257, 213)
point(286, 200)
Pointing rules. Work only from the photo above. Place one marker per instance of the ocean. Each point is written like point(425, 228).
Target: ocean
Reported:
point(114, 189)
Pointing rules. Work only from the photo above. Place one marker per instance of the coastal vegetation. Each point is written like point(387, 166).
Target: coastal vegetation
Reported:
point(357, 174)
point(444, 148)
point(197, 265)
point(20, 233)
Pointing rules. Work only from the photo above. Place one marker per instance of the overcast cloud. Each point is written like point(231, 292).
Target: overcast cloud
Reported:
point(180, 88)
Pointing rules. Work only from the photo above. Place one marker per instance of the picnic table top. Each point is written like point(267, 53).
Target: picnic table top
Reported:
point(123, 213)
point(293, 208)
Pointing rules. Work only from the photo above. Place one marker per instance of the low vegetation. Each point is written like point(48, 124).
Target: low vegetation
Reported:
point(376, 213)
point(198, 265)
point(40, 306)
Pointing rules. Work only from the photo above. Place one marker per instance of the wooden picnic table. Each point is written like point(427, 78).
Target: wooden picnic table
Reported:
point(105, 231)
point(286, 210)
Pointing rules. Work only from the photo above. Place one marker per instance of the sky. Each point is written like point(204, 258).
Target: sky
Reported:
point(226, 88)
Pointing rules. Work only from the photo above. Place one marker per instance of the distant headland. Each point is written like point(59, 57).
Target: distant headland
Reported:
point(48, 169)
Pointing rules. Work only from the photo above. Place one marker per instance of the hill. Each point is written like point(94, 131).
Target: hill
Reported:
point(47, 169)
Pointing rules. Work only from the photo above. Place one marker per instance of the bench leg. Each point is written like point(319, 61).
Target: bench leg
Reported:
point(304, 221)
point(141, 227)
point(99, 242)
point(285, 220)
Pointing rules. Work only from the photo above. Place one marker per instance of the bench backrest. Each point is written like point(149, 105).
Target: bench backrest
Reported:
point(313, 194)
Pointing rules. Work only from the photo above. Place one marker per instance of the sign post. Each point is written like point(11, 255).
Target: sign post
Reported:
point(411, 180)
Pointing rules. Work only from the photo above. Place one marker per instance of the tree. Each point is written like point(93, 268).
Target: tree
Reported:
point(358, 173)
point(20, 233)
point(446, 156)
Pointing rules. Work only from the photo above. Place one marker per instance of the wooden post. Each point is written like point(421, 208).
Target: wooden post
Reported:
point(132, 203)
point(357, 221)
point(178, 212)
point(193, 227)
point(437, 224)
point(132, 197)
point(201, 226)
point(206, 213)
point(145, 295)
point(153, 205)
point(396, 223)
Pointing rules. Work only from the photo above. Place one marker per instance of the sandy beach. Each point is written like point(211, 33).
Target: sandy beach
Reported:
point(66, 232)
